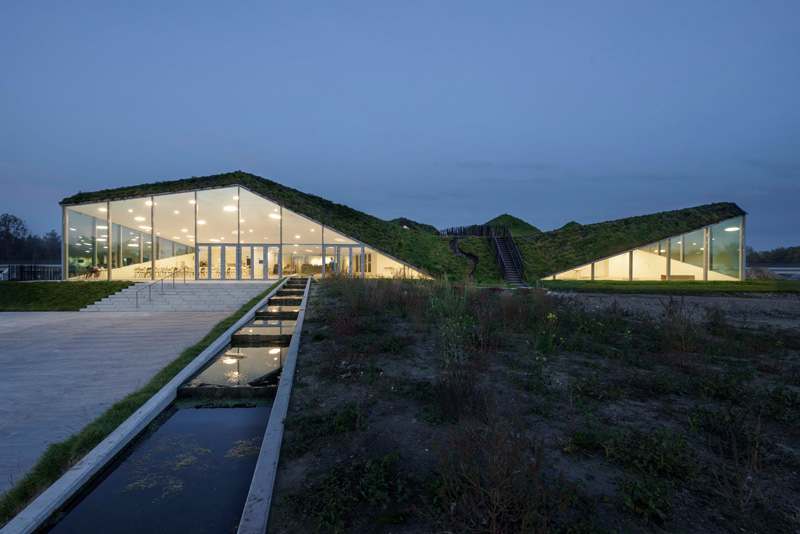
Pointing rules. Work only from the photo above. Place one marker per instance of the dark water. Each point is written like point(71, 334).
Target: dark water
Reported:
point(192, 475)
point(239, 366)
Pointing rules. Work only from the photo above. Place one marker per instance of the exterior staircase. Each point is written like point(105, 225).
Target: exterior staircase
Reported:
point(189, 297)
point(508, 256)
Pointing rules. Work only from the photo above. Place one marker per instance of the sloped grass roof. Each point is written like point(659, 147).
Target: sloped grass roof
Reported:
point(428, 252)
point(575, 244)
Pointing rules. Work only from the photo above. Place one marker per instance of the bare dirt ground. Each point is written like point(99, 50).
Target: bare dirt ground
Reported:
point(422, 408)
point(756, 309)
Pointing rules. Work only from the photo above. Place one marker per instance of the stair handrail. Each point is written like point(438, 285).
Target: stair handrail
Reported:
point(497, 253)
point(516, 257)
point(149, 286)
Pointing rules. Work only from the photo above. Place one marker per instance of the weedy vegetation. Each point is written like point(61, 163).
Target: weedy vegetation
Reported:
point(432, 406)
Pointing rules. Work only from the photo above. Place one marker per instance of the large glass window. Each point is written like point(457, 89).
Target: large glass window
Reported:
point(87, 241)
point(260, 219)
point(173, 223)
point(650, 262)
point(725, 249)
point(131, 238)
point(614, 268)
point(693, 249)
point(218, 216)
point(297, 229)
point(584, 272)
point(332, 237)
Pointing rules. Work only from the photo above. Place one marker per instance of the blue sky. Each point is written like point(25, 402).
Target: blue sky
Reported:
point(448, 113)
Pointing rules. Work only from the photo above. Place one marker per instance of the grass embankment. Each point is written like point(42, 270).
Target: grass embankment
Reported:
point(55, 296)
point(677, 287)
point(487, 271)
point(59, 457)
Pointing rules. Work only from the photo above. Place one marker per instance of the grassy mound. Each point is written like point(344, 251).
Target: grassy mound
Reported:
point(518, 227)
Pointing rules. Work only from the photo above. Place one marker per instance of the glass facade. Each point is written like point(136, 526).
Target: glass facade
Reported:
point(227, 233)
point(711, 253)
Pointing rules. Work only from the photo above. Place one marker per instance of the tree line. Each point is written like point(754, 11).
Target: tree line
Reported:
point(18, 245)
point(776, 256)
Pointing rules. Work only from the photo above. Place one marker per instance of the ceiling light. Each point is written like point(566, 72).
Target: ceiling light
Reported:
point(173, 237)
point(102, 227)
point(201, 223)
point(100, 239)
point(339, 239)
point(102, 209)
point(184, 229)
point(274, 215)
point(312, 229)
point(192, 201)
point(176, 212)
point(133, 245)
point(732, 229)
point(138, 218)
point(229, 208)
point(251, 229)
point(229, 360)
point(297, 245)
point(145, 228)
point(241, 220)
point(297, 237)
point(274, 351)
point(214, 240)
point(149, 203)
point(73, 229)
point(130, 211)
point(235, 198)
point(190, 236)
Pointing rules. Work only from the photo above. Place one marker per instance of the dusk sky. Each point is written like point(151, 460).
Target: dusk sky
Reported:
point(448, 113)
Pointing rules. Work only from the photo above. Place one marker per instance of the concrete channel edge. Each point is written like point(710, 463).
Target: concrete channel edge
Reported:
point(256, 509)
point(29, 519)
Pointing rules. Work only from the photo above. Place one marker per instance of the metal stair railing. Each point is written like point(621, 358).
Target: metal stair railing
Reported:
point(516, 257)
point(149, 286)
point(497, 253)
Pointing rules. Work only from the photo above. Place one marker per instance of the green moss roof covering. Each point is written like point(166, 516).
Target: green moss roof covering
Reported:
point(428, 252)
point(414, 225)
point(518, 227)
point(575, 244)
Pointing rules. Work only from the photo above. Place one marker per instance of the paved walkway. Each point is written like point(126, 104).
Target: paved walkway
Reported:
point(60, 370)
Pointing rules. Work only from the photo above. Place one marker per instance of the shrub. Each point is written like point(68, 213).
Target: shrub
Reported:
point(491, 481)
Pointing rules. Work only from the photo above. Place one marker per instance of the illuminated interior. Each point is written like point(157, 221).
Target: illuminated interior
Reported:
point(227, 233)
point(710, 253)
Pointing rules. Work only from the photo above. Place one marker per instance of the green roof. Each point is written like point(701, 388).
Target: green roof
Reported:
point(575, 244)
point(544, 253)
point(428, 252)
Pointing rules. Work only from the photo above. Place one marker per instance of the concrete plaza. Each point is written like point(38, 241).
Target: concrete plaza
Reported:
point(60, 370)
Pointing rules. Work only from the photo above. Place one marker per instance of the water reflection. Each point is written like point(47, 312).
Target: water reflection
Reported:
point(241, 366)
